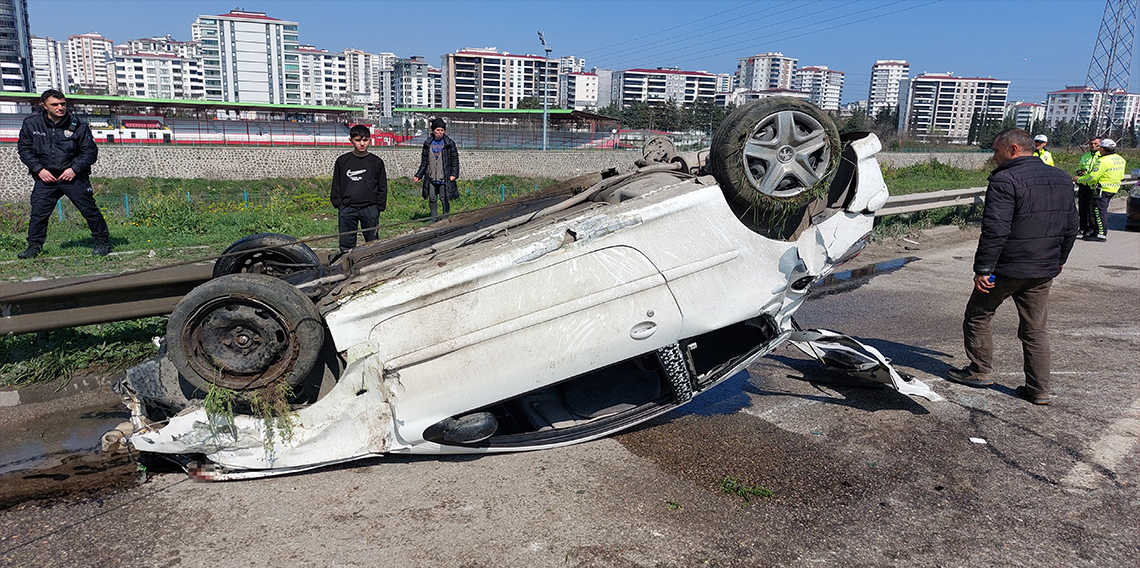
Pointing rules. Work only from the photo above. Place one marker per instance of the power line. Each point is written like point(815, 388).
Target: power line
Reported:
point(670, 29)
point(699, 33)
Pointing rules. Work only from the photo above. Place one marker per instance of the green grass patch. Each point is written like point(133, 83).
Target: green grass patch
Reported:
point(33, 358)
point(734, 486)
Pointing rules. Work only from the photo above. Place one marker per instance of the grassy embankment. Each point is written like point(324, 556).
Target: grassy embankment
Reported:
point(174, 228)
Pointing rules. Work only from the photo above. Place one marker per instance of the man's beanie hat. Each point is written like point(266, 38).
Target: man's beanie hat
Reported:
point(1108, 144)
point(438, 123)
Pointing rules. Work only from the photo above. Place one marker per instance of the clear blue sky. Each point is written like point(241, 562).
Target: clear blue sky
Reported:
point(1039, 45)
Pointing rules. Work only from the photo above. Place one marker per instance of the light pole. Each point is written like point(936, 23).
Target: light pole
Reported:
point(545, 102)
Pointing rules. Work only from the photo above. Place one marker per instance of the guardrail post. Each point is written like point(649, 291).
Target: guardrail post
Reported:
point(127, 204)
point(503, 192)
point(59, 207)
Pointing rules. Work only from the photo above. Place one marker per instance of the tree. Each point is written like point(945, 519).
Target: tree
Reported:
point(857, 122)
point(528, 103)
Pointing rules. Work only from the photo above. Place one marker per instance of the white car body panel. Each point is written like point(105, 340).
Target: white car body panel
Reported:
point(466, 324)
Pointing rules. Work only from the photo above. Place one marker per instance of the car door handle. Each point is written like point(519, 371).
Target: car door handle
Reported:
point(643, 330)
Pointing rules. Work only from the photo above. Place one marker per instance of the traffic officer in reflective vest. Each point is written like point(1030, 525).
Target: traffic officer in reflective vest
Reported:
point(1039, 142)
point(1104, 179)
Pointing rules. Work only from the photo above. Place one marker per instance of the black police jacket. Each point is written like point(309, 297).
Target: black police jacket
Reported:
point(44, 144)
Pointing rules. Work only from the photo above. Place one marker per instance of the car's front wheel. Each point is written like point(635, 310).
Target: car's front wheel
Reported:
point(244, 332)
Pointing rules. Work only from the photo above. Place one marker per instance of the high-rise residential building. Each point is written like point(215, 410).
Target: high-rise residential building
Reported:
point(324, 77)
point(724, 82)
point(16, 72)
point(1024, 114)
point(1077, 104)
point(49, 59)
point(824, 86)
point(486, 78)
point(659, 85)
point(571, 64)
point(87, 58)
point(578, 91)
point(249, 57)
point(370, 80)
point(157, 76)
point(886, 75)
point(606, 94)
point(436, 78)
point(765, 71)
point(411, 84)
point(944, 107)
point(161, 45)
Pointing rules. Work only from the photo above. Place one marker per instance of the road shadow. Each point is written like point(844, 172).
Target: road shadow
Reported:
point(1117, 221)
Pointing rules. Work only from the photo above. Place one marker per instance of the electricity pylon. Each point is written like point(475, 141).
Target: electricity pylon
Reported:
point(1111, 63)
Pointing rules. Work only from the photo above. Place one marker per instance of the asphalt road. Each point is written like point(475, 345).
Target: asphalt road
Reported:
point(861, 476)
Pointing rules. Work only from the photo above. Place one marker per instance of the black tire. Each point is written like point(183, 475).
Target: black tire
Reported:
point(244, 332)
point(251, 255)
point(775, 154)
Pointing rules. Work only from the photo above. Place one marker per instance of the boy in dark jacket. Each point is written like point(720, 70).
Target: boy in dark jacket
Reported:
point(59, 150)
point(359, 189)
point(439, 168)
point(1029, 226)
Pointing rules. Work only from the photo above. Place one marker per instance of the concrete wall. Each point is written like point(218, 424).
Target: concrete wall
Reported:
point(258, 163)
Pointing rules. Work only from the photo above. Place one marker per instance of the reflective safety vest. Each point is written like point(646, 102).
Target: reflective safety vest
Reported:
point(1106, 174)
point(1045, 156)
point(1088, 162)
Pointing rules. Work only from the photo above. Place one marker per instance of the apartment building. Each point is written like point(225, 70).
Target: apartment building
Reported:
point(1078, 103)
point(49, 62)
point(765, 71)
point(1024, 114)
point(370, 81)
point(411, 84)
point(824, 86)
point(157, 76)
point(943, 107)
point(436, 78)
point(163, 45)
point(571, 64)
point(606, 87)
point(88, 56)
point(323, 77)
point(486, 78)
point(886, 76)
point(16, 73)
point(249, 57)
point(663, 84)
point(578, 91)
point(740, 96)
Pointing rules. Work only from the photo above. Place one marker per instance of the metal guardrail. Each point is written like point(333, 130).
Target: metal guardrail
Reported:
point(912, 202)
point(28, 307)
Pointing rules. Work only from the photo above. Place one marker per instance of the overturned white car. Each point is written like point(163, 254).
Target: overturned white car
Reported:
point(560, 317)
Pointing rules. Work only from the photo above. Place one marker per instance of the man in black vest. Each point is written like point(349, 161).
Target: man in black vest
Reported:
point(1029, 226)
point(59, 150)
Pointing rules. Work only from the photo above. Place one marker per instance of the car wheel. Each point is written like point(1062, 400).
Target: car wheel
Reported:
point(267, 253)
point(244, 332)
point(775, 153)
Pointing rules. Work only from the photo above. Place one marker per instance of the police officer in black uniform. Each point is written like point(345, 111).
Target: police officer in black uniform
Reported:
point(59, 150)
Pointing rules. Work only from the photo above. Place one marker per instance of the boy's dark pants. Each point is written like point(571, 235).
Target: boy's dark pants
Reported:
point(347, 220)
point(46, 195)
point(1031, 297)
